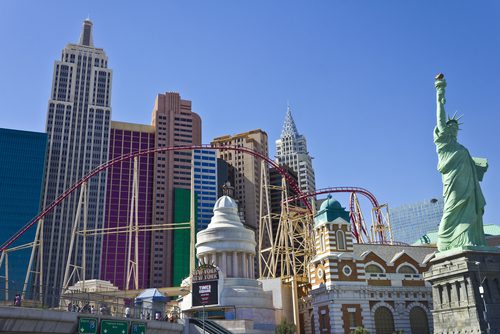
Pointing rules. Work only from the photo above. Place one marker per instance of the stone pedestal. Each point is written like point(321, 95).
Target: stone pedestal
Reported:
point(459, 307)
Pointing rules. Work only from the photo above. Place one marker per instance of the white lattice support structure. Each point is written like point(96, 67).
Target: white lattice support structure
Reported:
point(267, 263)
point(72, 268)
point(381, 224)
point(358, 221)
point(286, 249)
point(133, 231)
point(34, 245)
point(37, 246)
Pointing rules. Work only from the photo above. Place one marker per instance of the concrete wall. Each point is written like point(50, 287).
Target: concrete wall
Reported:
point(25, 320)
point(20, 320)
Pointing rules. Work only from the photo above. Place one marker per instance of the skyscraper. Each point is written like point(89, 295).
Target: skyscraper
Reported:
point(22, 160)
point(411, 221)
point(77, 126)
point(126, 138)
point(205, 185)
point(175, 125)
point(291, 150)
point(247, 175)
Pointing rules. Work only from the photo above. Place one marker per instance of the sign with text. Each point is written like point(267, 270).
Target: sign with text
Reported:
point(138, 328)
point(114, 327)
point(205, 293)
point(87, 325)
point(206, 272)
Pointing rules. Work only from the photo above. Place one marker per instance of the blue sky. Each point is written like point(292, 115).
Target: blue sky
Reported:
point(357, 74)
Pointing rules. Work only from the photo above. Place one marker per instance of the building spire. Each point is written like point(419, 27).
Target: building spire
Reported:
point(86, 35)
point(289, 128)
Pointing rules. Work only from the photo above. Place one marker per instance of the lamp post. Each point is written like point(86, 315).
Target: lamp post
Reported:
point(481, 292)
point(203, 318)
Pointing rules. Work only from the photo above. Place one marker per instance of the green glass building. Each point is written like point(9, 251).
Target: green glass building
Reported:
point(180, 257)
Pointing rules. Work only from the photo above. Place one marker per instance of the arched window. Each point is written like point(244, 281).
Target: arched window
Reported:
point(373, 269)
point(384, 322)
point(406, 269)
point(340, 240)
point(322, 242)
point(418, 321)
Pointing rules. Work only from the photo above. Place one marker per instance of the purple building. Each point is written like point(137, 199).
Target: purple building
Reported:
point(126, 138)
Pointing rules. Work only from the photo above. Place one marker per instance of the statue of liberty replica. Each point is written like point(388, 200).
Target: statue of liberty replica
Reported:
point(465, 272)
point(462, 221)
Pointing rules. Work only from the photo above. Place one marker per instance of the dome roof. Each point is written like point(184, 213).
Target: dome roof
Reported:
point(225, 202)
point(225, 231)
point(330, 203)
point(329, 211)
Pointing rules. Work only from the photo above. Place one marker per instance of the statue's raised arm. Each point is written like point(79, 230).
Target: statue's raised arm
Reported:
point(462, 222)
point(440, 85)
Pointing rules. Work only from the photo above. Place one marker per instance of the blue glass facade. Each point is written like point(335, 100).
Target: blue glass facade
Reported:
point(410, 222)
point(205, 185)
point(22, 160)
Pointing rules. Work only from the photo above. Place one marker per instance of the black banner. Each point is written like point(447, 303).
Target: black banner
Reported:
point(205, 293)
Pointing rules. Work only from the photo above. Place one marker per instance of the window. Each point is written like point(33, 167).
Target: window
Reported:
point(320, 273)
point(322, 242)
point(384, 322)
point(406, 269)
point(340, 240)
point(347, 270)
point(418, 321)
point(352, 320)
point(373, 269)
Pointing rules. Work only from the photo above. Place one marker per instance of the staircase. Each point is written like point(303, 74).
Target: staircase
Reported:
point(211, 327)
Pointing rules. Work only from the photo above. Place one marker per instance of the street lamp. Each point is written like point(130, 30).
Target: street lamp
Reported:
point(481, 292)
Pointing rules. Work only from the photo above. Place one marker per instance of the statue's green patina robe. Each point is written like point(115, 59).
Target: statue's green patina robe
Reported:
point(462, 221)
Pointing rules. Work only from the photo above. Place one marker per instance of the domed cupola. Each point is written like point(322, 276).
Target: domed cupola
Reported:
point(329, 211)
point(226, 242)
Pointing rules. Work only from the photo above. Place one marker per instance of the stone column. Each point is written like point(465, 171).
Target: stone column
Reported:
point(223, 265)
point(463, 294)
point(252, 271)
point(250, 266)
point(235, 265)
point(229, 265)
point(245, 265)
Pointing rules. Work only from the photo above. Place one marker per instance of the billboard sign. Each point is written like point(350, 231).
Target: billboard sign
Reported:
point(205, 285)
point(206, 293)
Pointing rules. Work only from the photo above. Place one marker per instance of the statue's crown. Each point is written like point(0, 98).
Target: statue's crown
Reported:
point(454, 119)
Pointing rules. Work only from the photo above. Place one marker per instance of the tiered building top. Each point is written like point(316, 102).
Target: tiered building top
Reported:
point(291, 150)
point(226, 242)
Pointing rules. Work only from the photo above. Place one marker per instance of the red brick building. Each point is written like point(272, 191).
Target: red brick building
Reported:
point(379, 287)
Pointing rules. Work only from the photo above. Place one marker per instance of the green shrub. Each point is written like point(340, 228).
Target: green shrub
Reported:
point(360, 330)
point(285, 328)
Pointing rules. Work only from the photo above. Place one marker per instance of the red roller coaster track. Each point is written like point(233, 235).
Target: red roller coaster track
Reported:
point(352, 212)
point(132, 155)
point(301, 196)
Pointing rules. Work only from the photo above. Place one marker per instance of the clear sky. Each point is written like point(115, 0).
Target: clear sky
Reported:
point(357, 74)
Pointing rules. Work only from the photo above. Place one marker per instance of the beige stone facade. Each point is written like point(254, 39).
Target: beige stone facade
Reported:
point(247, 171)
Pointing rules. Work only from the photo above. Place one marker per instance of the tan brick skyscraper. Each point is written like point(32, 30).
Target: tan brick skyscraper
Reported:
point(176, 125)
point(247, 171)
